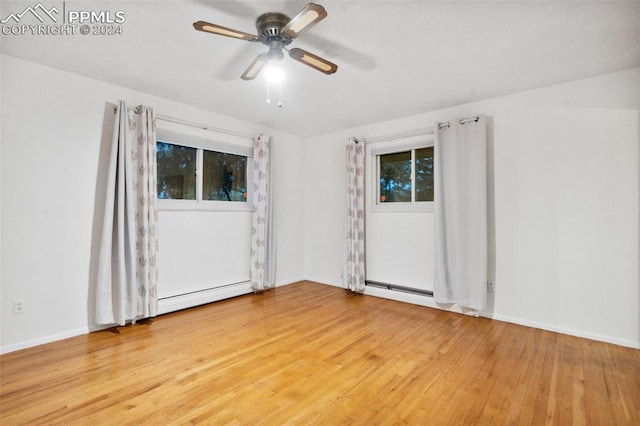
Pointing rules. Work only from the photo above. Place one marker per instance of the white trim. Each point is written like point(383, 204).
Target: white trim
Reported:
point(199, 175)
point(564, 330)
point(369, 291)
point(43, 340)
point(204, 206)
point(288, 282)
point(415, 207)
point(324, 282)
point(170, 304)
point(413, 176)
point(428, 302)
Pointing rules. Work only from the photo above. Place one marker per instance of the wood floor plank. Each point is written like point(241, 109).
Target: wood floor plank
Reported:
point(313, 354)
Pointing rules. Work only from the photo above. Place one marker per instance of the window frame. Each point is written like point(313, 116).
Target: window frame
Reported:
point(201, 144)
point(374, 151)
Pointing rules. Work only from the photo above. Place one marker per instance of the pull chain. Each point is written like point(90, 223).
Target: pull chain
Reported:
point(279, 93)
point(268, 91)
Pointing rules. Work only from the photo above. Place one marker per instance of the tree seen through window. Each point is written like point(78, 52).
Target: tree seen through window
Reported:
point(397, 185)
point(176, 166)
point(223, 176)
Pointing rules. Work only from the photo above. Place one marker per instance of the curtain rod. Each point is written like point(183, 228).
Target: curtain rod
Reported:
point(417, 132)
point(463, 121)
point(193, 124)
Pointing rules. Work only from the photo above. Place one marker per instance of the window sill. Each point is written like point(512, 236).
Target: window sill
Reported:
point(204, 206)
point(423, 207)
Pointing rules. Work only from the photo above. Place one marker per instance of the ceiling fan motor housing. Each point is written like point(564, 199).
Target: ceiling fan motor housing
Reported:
point(269, 26)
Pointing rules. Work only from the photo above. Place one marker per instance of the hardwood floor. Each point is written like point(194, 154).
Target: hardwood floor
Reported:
point(312, 354)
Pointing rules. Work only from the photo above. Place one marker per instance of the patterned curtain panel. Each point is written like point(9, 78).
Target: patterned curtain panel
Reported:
point(262, 263)
point(353, 273)
point(460, 204)
point(127, 275)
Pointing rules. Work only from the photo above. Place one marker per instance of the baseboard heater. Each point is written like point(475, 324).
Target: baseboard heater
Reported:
point(395, 287)
point(200, 297)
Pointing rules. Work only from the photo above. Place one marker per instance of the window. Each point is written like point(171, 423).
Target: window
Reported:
point(224, 176)
point(196, 173)
point(176, 171)
point(406, 176)
point(395, 177)
point(424, 174)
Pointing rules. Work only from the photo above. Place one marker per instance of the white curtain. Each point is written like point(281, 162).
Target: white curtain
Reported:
point(262, 262)
point(461, 214)
point(126, 288)
point(353, 272)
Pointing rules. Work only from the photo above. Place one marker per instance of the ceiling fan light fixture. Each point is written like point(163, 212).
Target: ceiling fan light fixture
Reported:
point(275, 50)
point(274, 75)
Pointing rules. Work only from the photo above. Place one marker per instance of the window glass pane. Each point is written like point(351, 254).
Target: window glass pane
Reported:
point(176, 171)
point(424, 174)
point(224, 177)
point(395, 177)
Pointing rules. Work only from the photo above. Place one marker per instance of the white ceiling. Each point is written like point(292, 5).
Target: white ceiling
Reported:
point(396, 58)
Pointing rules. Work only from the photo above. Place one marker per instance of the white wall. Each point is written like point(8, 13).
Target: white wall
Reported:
point(206, 250)
point(51, 175)
point(565, 191)
point(564, 187)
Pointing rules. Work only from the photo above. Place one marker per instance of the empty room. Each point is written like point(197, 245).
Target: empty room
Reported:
point(339, 212)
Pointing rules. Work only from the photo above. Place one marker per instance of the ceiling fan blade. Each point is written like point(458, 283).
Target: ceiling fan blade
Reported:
point(208, 27)
point(256, 66)
point(310, 15)
point(313, 61)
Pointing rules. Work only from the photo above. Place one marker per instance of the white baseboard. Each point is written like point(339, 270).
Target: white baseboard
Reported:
point(430, 303)
point(170, 304)
point(325, 282)
point(564, 330)
point(200, 298)
point(287, 282)
point(42, 340)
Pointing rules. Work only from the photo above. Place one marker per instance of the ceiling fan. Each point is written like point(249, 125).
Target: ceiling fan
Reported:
point(277, 31)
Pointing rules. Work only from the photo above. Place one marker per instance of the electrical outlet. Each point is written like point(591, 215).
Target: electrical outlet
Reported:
point(491, 286)
point(18, 306)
